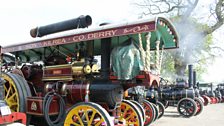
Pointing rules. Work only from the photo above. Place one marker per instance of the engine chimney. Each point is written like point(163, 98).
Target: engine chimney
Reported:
point(190, 76)
point(105, 56)
point(194, 79)
point(80, 22)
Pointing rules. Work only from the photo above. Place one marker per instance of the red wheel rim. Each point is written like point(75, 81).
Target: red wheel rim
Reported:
point(148, 113)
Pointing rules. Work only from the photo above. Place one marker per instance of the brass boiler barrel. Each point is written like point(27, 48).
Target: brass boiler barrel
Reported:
point(81, 68)
point(80, 22)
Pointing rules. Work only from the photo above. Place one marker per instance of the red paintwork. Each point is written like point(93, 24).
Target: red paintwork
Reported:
point(56, 72)
point(99, 34)
point(15, 116)
point(147, 79)
point(77, 92)
point(206, 100)
point(54, 107)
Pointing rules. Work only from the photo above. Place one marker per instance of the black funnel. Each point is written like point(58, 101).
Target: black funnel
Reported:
point(190, 75)
point(80, 22)
point(194, 78)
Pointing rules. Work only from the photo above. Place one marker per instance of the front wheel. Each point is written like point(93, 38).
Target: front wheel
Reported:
point(199, 106)
point(187, 107)
point(161, 109)
point(149, 112)
point(130, 114)
point(87, 114)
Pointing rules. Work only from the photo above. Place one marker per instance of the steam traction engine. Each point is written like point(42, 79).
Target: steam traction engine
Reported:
point(80, 78)
point(182, 95)
point(209, 94)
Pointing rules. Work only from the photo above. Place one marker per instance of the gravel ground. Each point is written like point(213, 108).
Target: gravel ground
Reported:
point(212, 115)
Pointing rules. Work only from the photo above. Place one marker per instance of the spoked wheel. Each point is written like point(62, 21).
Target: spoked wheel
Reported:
point(87, 114)
point(16, 91)
point(130, 113)
point(165, 103)
point(140, 107)
point(206, 100)
point(149, 112)
point(199, 106)
point(202, 99)
point(156, 111)
point(187, 107)
point(161, 109)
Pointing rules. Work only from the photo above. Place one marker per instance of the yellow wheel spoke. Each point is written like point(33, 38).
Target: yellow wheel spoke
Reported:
point(11, 93)
point(100, 122)
point(126, 109)
point(124, 113)
point(76, 124)
point(86, 114)
point(91, 119)
point(13, 104)
point(87, 117)
point(132, 123)
point(5, 88)
point(80, 120)
point(131, 115)
point(8, 92)
point(12, 96)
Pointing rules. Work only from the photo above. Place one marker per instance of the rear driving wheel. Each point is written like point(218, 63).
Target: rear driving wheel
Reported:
point(187, 107)
point(161, 109)
point(87, 114)
point(130, 113)
point(156, 111)
point(13, 94)
point(16, 92)
point(199, 106)
point(149, 112)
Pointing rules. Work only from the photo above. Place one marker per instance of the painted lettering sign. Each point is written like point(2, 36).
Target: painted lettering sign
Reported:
point(117, 31)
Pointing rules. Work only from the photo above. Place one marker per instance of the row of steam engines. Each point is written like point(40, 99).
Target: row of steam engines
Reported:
point(184, 95)
point(82, 78)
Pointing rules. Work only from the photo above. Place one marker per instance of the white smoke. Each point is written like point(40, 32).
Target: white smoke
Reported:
point(191, 41)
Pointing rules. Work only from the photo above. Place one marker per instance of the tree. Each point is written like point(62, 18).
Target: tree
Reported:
point(195, 35)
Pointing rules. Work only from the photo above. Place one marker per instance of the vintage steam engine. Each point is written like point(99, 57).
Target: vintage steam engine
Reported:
point(209, 94)
point(81, 78)
point(220, 91)
point(183, 95)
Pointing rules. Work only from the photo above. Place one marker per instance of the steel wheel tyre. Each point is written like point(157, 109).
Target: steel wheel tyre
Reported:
point(199, 106)
point(206, 100)
point(149, 112)
point(187, 107)
point(140, 107)
point(14, 95)
point(87, 114)
point(161, 109)
point(16, 92)
point(130, 114)
point(202, 99)
point(156, 111)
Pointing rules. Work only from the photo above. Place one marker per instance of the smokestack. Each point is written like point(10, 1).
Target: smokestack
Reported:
point(190, 75)
point(194, 79)
point(105, 56)
point(80, 22)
